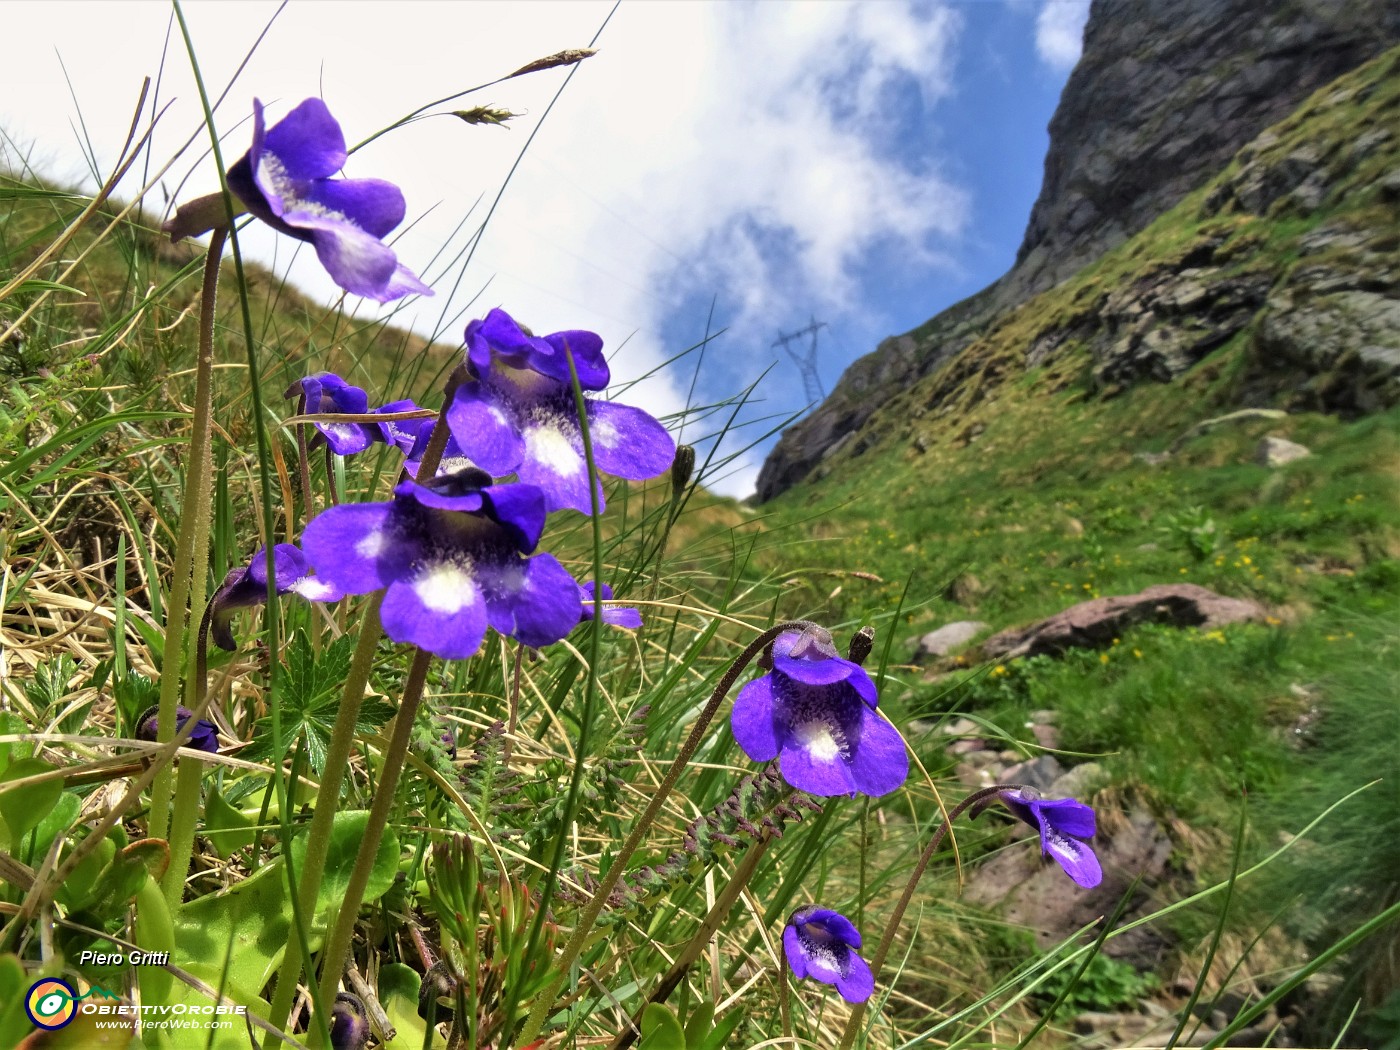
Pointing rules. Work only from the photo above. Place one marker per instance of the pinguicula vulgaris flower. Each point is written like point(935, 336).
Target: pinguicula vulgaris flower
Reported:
point(450, 554)
point(204, 737)
point(349, 1023)
point(821, 943)
point(618, 616)
point(285, 180)
point(401, 433)
point(327, 392)
point(517, 414)
point(816, 713)
point(246, 586)
point(1063, 823)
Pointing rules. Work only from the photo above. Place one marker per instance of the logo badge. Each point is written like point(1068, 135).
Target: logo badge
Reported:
point(51, 1003)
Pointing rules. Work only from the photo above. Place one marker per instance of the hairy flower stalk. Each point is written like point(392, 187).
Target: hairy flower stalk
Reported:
point(545, 1001)
point(304, 462)
point(337, 758)
point(1017, 798)
point(185, 603)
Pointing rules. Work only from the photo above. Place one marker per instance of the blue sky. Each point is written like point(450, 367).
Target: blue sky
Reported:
point(867, 163)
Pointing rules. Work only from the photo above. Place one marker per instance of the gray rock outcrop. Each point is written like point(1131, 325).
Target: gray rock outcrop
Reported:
point(1165, 93)
point(1334, 322)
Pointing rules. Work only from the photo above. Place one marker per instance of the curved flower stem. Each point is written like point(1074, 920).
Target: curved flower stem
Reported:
point(540, 1011)
point(343, 926)
point(328, 800)
point(702, 938)
point(848, 1037)
point(192, 541)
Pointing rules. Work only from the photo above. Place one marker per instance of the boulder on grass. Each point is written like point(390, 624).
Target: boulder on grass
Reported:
point(946, 639)
point(1094, 624)
point(1277, 452)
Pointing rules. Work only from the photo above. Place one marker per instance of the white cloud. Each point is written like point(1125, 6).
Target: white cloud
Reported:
point(745, 150)
point(1059, 32)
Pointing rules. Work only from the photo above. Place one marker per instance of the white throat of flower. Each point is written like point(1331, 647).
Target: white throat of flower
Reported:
point(820, 741)
point(274, 172)
point(445, 587)
point(552, 449)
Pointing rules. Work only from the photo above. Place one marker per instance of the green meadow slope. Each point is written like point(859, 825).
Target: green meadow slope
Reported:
point(1076, 449)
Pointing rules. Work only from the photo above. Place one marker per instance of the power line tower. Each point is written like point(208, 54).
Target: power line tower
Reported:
point(806, 363)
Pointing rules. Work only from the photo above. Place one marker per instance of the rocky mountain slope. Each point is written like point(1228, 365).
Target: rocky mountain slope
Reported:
point(1167, 91)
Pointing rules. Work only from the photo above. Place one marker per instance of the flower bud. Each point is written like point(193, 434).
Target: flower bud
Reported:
point(681, 469)
point(861, 644)
point(349, 1023)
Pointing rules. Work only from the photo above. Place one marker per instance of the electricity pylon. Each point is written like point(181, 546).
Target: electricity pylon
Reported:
point(806, 363)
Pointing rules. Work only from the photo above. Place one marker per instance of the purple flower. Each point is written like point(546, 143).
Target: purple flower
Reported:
point(327, 392)
point(401, 433)
point(450, 553)
point(246, 587)
point(517, 414)
point(204, 738)
point(349, 1023)
point(498, 337)
point(815, 713)
point(821, 943)
point(1062, 823)
point(285, 180)
point(618, 617)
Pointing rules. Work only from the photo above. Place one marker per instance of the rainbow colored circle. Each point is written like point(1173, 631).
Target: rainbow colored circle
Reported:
point(51, 1003)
